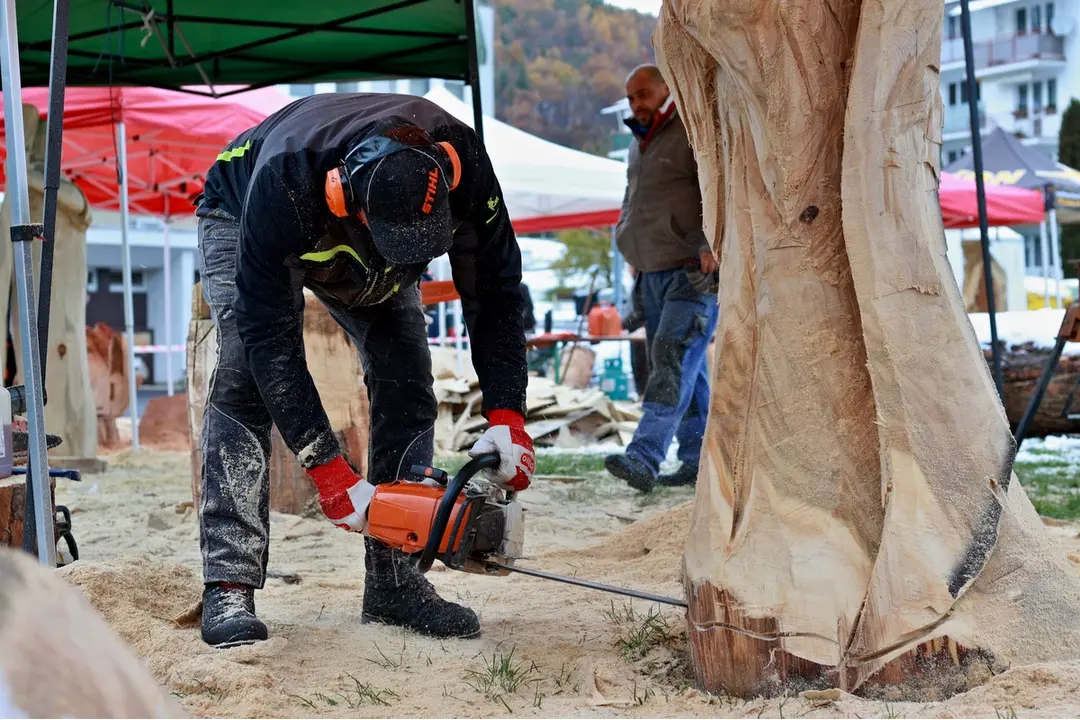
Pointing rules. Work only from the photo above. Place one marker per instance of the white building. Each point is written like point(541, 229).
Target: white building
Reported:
point(147, 236)
point(1027, 69)
point(622, 138)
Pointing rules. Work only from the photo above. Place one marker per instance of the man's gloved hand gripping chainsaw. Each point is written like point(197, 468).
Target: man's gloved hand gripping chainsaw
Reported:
point(466, 522)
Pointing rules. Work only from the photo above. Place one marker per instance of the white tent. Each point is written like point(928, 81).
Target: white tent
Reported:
point(546, 186)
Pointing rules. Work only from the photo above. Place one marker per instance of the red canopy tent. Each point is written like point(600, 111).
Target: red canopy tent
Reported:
point(1005, 205)
point(172, 138)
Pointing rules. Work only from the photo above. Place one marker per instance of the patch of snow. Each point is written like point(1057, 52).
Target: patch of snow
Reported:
point(1038, 327)
point(1035, 450)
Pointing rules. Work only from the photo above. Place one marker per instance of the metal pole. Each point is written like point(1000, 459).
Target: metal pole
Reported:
point(1040, 390)
point(442, 309)
point(22, 235)
point(1044, 248)
point(1055, 250)
point(168, 306)
point(474, 69)
point(616, 272)
point(980, 194)
point(54, 144)
point(129, 311)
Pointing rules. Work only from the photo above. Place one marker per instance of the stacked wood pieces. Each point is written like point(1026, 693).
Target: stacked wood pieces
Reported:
point(335, 367)
point(557, 415)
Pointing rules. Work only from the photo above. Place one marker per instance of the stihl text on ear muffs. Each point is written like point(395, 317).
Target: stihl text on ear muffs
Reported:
point(339, 187)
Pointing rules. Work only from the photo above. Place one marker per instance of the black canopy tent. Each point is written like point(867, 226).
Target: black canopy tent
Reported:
point(1007, 161)
point(176, 44)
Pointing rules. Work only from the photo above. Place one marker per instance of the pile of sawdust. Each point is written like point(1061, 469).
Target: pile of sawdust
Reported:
point(164, 424)
point(141, 570)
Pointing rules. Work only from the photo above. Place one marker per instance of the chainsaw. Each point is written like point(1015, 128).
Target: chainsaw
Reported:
point(467, 523)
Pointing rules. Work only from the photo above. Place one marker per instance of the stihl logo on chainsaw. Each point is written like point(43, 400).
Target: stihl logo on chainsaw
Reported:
point(432, 186)
point(528, 462)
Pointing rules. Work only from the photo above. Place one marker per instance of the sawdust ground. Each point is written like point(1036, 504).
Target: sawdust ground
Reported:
point(138, 539)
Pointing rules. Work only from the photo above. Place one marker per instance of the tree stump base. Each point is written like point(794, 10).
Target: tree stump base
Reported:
point(12, 509)
point(735, 654)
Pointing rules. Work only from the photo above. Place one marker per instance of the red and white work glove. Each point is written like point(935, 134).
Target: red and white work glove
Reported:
point(506, 436)
point(343, 495)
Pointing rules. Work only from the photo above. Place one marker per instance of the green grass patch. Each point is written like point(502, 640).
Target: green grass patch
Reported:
point(1052, 481)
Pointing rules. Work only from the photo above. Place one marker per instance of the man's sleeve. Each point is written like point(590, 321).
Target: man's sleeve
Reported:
point(486, 262)
point(269, 309)
point(698, 233)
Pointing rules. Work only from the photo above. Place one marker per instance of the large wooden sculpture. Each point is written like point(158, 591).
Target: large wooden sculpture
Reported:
point(70, 410)
point(339, 377)
point(856, 504)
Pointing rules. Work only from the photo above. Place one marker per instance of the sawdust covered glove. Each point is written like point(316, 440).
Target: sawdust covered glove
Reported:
point(506, 436)
point(343, 495)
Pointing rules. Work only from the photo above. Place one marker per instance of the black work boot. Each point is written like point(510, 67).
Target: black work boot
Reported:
point(636, 474)
point(228, 616)
point(396, 593)
point(685, 475)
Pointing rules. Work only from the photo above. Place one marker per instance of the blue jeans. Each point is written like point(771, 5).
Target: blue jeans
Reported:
point(679, 323)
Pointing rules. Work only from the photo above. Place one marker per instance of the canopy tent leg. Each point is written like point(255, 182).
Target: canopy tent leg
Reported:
point(980, 195)
point(129, 311)
point(1044, 250)
point(167, 262)
point(1055, 250)
point(22, 235)
point(474, 69)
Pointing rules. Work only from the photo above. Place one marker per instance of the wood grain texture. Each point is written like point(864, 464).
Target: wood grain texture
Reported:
point(856, 486)
point(70, 412)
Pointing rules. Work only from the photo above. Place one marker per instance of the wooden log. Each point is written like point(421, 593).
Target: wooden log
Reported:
point(335, 367)
point(69, 413)
point(59, 658)
point(12, 507)
point(1021, 366)
point(108, 380)
point(856, 505)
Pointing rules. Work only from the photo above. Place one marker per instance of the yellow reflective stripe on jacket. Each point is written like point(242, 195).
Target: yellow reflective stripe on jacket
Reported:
point(228, 155)
point(328, 255)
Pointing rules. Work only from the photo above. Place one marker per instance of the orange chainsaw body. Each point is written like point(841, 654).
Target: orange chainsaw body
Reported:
point(401, 515)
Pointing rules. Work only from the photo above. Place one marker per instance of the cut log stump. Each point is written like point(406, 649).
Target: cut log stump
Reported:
point(856, 514)
point(335, 367)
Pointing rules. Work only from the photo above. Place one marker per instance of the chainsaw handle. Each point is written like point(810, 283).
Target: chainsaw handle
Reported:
point(446, 506)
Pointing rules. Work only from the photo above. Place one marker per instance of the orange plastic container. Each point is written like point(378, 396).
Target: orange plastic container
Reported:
point(604, 320)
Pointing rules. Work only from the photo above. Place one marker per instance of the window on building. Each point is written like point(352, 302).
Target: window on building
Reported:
point(952, 93)
point(953, 30)
point(116, 281)
point(952, 157)
point(302, 90)
point(348, 87)
point(1036, 19)
point(1022, 97)
point(1049, 17)
point(1036, 97)
point(419, 87)
point(1021, 21)
point(1051, 93)
point(92, 280)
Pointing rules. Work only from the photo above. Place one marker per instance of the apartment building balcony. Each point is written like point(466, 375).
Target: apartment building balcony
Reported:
point(1000, 54)
point(957, 121)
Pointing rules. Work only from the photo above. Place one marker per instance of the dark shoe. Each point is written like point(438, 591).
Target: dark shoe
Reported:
point(685, 475)
point(228, 616)
point(636, 474)
point(396, 593)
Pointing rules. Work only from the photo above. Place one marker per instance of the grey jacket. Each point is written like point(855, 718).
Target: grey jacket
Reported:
point(661, 227)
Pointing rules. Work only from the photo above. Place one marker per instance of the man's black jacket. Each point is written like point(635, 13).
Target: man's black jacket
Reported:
point(271, 178)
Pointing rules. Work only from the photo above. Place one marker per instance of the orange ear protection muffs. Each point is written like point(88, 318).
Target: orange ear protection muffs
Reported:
point(339, 189)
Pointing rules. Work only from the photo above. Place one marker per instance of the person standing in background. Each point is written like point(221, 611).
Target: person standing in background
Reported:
point(660, 234)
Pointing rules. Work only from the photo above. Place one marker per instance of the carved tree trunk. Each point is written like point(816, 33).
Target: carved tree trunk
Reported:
point(335, 367)
point(856, 504)
point(70, 410)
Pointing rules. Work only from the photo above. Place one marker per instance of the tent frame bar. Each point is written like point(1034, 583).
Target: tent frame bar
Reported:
point(23, 233)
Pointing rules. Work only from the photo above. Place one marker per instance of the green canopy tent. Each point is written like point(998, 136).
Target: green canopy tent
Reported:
point(177, 44)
